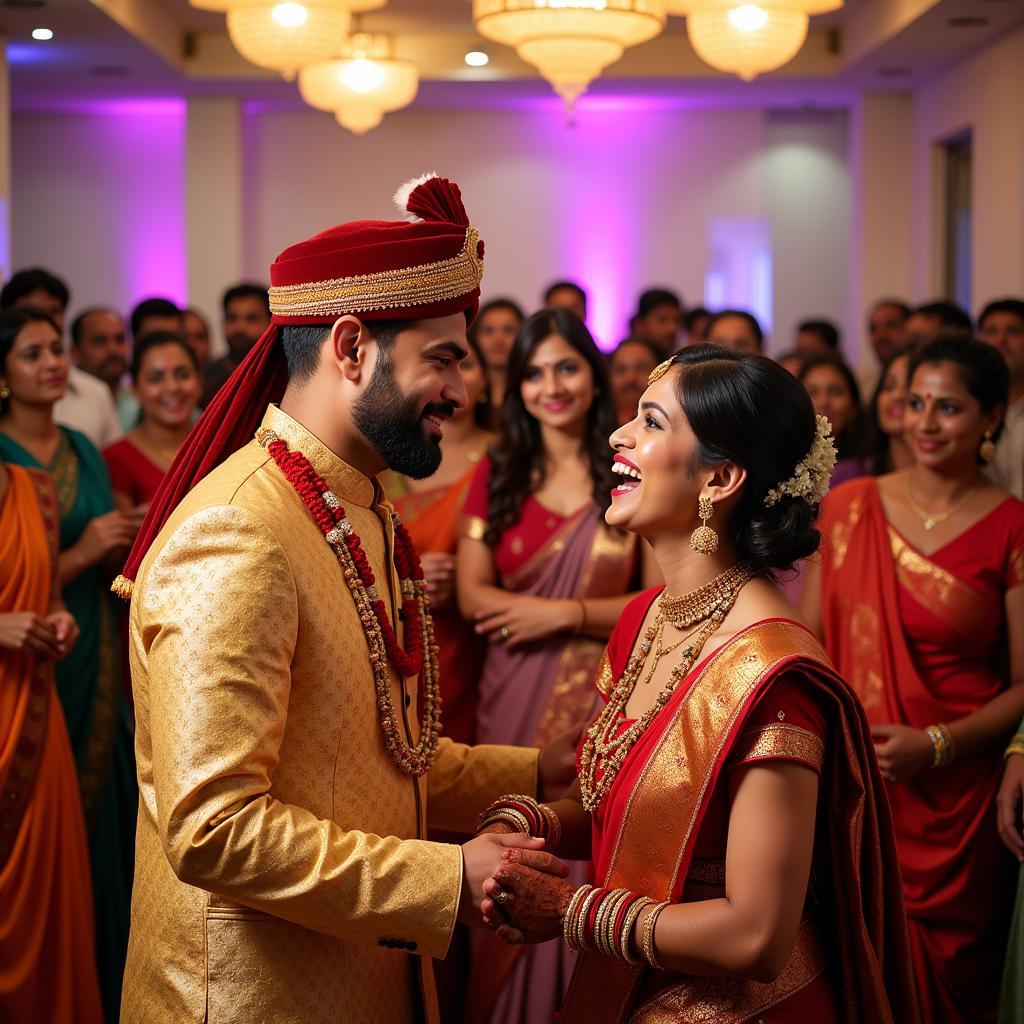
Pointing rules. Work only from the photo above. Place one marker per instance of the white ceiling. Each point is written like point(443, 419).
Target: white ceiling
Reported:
point(136, 49)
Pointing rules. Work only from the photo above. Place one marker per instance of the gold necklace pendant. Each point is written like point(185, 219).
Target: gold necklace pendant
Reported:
point(606, 743)
point(929, 520)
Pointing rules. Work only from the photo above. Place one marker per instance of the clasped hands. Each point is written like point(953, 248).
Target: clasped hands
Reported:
point(521, 891)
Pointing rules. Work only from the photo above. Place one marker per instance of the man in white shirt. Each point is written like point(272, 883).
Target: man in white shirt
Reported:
point(99, 345)
point(1001, 324)
point(87, 404)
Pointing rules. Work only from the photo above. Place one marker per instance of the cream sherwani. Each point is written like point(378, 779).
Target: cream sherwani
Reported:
point(280, 873)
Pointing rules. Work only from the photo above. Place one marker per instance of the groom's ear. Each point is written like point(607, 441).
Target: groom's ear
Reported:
point(352, 348)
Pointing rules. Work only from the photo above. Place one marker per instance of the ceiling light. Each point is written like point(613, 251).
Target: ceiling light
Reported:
point(364, 85)
point(748, 40)
point(477, 59)
point(288, 36)
point(570, 42)
point(42, 34)
point(289, 15)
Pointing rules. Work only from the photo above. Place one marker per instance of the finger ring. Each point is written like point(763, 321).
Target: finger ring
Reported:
point(505, 633)
point(502, 897)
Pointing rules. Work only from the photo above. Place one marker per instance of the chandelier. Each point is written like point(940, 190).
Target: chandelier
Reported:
point(747, 39)
point(286, 36)
point(364, 85)
point(570, 42)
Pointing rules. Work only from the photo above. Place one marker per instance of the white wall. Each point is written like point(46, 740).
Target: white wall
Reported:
point(621, 201)
point(985, 95)
point(99, 199)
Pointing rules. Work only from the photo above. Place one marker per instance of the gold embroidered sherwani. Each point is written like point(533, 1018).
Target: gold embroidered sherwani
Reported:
point(280, 875)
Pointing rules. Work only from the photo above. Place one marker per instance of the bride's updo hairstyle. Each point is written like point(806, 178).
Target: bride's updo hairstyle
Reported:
point(747, 409)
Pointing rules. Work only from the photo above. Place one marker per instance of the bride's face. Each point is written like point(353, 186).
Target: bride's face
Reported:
point(658, 488)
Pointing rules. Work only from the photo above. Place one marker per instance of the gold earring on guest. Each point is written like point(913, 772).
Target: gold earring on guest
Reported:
point(704, 540)
point(5, 393)
point(987, 451)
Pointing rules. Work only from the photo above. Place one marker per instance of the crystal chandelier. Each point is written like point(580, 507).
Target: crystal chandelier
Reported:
point(570, 42)
point(747, 39)
point(364, 85)
point(286, 36)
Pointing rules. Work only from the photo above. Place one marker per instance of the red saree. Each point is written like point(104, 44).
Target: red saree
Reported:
point(433, 518)
point(47, 960)
point(850, 961)
point(918, 637)
point(132, 472)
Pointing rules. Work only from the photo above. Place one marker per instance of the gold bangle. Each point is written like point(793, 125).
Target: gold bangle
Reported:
point(554, 836)
point(648, 944)
point(608, 933)
point(950, 748)
point(944, 749)
point(516, 819)
point(1015, 746)
point(628, 924)
point(601, 919)
point(569, 921)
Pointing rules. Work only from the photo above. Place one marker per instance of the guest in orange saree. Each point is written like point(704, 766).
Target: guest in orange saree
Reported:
point(741, 839)
point(916, 608)
point(47, 961)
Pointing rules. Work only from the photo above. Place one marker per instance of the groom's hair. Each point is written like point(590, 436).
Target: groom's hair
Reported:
point(302, 345)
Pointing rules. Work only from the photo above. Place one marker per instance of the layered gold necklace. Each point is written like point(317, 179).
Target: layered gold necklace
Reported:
point(606, 744)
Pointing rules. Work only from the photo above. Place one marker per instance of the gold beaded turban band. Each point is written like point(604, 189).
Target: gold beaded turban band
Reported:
point(428, 265)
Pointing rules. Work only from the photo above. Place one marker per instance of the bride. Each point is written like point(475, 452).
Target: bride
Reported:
point(728, 793)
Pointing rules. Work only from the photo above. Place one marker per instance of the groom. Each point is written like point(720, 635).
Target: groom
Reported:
point(283, 660)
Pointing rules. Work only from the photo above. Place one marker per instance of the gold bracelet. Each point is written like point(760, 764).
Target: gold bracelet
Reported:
point(554, 836)
point(628, 924)
point(648, 944)
point(569, 921)
point(581, 919)
point(604, 911)
point(1015, 746)
point(608, 933)
point(516, 819)
point(942, 745)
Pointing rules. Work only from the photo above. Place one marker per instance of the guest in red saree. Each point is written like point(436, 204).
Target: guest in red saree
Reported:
point(47, 960)
point(741, 839)
point(920, 586)
point(165, 375)
point(545, 580)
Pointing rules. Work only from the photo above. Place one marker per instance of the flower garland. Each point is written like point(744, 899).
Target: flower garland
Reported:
point(419, 658)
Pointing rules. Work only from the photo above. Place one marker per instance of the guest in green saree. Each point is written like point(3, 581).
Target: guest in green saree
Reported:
point(33, 374)
point(1010, 801)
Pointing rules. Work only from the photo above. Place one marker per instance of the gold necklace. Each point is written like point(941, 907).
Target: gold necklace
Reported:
point(932, 519)
point(663, 652)
point(605, 744)
point(698, 604)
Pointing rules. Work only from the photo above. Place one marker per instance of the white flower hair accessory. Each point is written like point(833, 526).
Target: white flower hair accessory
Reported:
point(811, 476)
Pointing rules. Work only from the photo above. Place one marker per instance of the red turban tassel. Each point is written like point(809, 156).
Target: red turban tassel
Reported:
point(228, 423)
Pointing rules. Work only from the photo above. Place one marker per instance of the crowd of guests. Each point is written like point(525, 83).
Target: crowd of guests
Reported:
point(917, 595)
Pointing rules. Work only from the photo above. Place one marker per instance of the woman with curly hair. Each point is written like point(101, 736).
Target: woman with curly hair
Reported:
point(545, 580)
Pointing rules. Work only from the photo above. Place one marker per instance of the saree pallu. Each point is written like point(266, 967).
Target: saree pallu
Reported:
point(47, 965)
point(528, 697)
point(432, 519)
point(99, 724)
point(652, 817)
point(918, 637)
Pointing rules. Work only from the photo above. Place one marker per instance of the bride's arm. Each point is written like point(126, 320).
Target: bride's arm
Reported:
point(749, 932)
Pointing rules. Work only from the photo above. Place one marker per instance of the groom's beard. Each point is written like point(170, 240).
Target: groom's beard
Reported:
point(393, 423)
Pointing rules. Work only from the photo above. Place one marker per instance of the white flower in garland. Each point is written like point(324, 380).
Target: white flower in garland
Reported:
point(811, 476)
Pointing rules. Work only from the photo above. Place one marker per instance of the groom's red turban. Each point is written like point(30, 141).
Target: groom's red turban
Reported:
point(428, 265)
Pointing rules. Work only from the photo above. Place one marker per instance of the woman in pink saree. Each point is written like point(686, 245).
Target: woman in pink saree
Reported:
point(545, 580)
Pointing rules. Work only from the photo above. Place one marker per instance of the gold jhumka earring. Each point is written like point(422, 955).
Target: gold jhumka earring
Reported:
point(704, 540)
point(987, 451)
